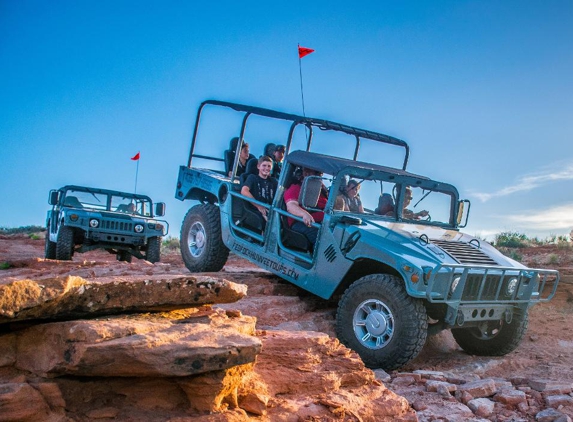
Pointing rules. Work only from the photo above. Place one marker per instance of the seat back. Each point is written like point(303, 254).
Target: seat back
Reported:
point(310, 192)
point(72, 201)
point(291, 238)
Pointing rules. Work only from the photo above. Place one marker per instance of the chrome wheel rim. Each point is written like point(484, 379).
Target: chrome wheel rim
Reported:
point(196, 239)
point(373, 324)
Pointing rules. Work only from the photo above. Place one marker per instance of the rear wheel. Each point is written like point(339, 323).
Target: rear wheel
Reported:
point(49, 247)
point(493, 338)
point(65, 244)
point(124, 256)
point(381, 322)
point(153, 254)
point(202, 246)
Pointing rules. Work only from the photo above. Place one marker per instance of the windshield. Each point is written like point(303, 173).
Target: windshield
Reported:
point(107, 202)
point(378, 196)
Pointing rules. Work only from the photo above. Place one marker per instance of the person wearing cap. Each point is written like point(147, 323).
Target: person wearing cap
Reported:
point(278, 156)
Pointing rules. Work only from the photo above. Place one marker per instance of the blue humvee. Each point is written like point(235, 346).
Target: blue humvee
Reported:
point(399, 266)
point(83, 219)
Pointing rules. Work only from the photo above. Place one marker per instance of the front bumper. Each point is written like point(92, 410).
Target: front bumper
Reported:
point(486, 293)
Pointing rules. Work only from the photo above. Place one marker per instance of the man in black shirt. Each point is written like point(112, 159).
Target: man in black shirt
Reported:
point(261, 187)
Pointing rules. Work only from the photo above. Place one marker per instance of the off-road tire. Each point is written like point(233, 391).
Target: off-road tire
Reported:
point(202, 246)
point(498, 339)
point(377, 319)
point(124, 256)
point(153, 254)
point(65, 243)
point(49, 247)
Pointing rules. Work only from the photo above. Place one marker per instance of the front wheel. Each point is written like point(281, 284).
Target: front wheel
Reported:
point(65, 243)
point(493, 338)
point(153, 254)
point(202, 246)
point(49, 246)
point(381, 322)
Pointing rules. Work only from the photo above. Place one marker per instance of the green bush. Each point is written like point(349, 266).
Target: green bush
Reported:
point(511, 240)
point(22, 229)
point(170, 244)
point(4, 265)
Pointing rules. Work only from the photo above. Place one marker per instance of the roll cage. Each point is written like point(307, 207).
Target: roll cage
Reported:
point(310, 123)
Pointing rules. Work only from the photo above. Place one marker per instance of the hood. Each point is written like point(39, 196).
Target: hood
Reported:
point(444, 245)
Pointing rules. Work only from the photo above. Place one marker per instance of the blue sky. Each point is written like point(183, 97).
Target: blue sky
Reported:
point(481, 90)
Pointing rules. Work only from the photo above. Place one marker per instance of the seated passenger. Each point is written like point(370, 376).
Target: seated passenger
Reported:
point(352, 197)
point(278, 156)
point(244, 157)
point(261, 186)
point(340, 203)
point(294, 207)
point(385, 205)
point(407, 213)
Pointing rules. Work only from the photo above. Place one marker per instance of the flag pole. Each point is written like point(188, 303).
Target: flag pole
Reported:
point(301, 86)
point(136, 173)
point(136, 158)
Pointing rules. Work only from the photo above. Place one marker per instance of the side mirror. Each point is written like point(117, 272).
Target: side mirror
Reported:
point(160, 209)
point(54, 197)
point(310, 191)
point(461, 211)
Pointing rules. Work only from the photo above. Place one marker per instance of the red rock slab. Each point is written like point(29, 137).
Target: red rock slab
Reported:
point(73, 297)
point(137, 347)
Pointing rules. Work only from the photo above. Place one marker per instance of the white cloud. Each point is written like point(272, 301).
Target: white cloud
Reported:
point(557, 218)
point(529, 182)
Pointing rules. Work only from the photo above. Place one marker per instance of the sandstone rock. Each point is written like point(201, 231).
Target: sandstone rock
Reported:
point(254, 403)
point(382, 375)
point(73, 297)
point(559, 400)
point(481, 388)
point(103, 413)
point(136, 347)
point(512, 397)
point(215, 390)
point(433, 386)
point(554, 387)
point(548, 415)
point(482, 407)
point(7, 349)
point(21, 402)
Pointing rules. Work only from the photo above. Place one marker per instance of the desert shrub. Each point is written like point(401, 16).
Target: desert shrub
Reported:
point(171, 244)
point(515, 256)
point(511, 240)
point(22, 229)
point(34, 236)
point(4, 265)
point(553, 259)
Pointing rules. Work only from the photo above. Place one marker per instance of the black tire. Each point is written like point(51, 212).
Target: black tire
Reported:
point(202, 246)
point(377, 319)
point(493, 338)
point(124, 256)
point(153, 254)
point(49, 247)
point(65, 244)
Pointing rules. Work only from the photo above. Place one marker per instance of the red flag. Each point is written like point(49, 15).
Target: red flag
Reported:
point(135, 157)
point(303, 51)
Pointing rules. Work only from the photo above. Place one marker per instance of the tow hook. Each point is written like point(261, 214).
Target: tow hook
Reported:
point(508, 316)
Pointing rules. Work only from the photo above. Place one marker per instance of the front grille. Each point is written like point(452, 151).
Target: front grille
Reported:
point(122, 226)
point(464, 253)
point(494, 287)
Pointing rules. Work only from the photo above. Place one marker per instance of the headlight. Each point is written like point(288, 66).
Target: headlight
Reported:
point(455, 283)
point(94, 223)
point(138, 228)
point(155, 226)
point(512, 286)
